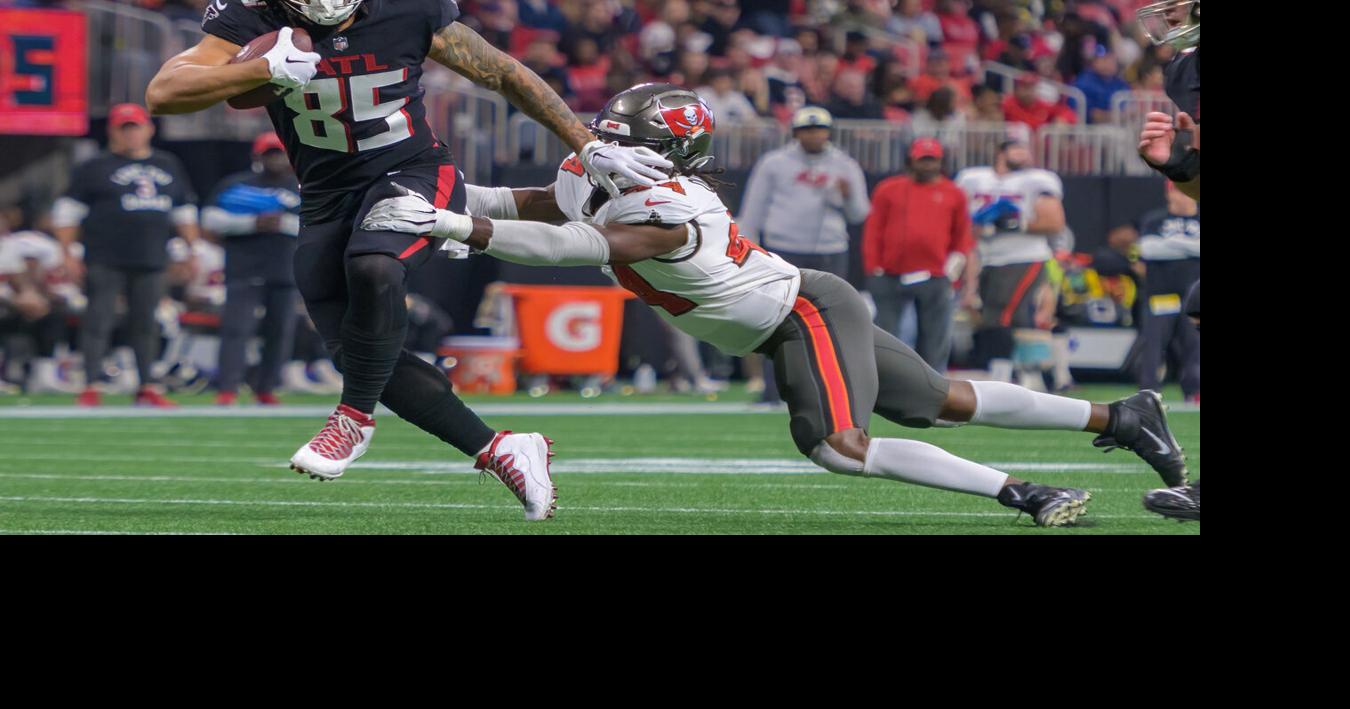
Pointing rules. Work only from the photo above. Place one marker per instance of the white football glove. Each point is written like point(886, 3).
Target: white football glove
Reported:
point(637, 166)
point(411, 213)
point(290, 67)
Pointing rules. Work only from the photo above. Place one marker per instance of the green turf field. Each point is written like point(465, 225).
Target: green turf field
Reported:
point(621, 471)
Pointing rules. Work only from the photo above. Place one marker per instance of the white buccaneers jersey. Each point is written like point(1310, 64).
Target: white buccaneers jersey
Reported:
point(718, 287)
point(1022, 187)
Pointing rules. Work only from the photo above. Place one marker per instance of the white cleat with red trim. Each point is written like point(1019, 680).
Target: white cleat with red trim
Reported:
point(343, 439)
point(520, 461)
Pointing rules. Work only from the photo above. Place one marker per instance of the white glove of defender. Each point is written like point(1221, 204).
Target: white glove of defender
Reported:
point(290, 67)
point(411, 213)
point(639, 166)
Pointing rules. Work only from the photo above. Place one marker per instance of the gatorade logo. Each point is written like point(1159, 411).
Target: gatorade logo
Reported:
point(574, 327)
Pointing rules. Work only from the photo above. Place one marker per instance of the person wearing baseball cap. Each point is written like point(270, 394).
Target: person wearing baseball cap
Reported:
point(1100, 82)
point(125, 205)
point(916, 242)
point(256, 215)
point(800, 200)
point(124, 114)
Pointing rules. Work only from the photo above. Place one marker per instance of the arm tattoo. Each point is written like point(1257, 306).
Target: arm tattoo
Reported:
point(468, 54)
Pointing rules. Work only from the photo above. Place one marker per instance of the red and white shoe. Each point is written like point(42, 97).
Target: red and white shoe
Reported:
point(343, 439)
point(520, 461)
point(89, 397)
point(267, 399)
point(227, 398)
point(148, 396)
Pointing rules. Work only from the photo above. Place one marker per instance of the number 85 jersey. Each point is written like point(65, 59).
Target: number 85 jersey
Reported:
point(718, 287)
point(362, 115)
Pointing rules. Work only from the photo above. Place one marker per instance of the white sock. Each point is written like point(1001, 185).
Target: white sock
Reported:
point(1060, 345)
point(1001, 370)
point(1010, 406)
point(924, 464)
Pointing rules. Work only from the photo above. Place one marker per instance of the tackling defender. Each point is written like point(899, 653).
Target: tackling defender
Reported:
point(355, 130)
point(676, 246)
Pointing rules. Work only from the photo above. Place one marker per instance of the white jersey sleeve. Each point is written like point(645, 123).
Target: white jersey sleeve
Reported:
point(717, 287)
point(1044, 182)
point(573, 190)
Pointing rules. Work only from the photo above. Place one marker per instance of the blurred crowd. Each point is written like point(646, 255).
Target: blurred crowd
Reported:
point(898, 60)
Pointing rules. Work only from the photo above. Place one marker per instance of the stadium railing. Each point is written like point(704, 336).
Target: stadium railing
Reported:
point(878, 146)
point(1128, 108)
point(529, 143)
point(1065, 90)
point(127, 45)
point(473, 121)
point(976, 143)
point(1087, 150)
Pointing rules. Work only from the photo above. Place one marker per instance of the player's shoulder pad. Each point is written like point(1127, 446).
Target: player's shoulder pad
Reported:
point(572, 189)
point(1048, 182)
point(676, 201)
point(238, 21)
point(972, 173)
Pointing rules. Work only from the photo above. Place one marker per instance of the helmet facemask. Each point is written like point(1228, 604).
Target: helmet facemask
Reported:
point(1174, 22)
point(324, 12)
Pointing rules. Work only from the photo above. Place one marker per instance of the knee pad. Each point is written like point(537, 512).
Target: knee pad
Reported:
point(832, 460)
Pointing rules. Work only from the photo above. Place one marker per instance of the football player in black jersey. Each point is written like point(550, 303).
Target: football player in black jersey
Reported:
point(1176, 22)
point(355, 130)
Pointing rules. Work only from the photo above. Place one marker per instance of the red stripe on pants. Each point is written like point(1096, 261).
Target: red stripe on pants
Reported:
point(827, 361)
point(1027, 279)
point(445, 186)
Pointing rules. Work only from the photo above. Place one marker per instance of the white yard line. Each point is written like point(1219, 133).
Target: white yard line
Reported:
point(460, 506)
point(596, 408)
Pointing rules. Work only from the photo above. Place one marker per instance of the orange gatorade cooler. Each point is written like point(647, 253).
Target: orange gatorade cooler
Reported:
point(569, 329)
point(481, 365)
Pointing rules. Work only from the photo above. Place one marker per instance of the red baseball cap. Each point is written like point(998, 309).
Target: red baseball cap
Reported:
point(267, 141)
point(124, 113)
point(925, 148)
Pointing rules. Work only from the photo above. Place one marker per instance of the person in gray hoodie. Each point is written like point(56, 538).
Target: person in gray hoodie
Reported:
point(801, 198)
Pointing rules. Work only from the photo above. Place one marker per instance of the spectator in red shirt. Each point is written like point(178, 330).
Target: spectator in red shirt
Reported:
point(586, 75)
point(938, 73)
point(960, 34)
point(1023, 106)
point(911, 241)
point(855, 57)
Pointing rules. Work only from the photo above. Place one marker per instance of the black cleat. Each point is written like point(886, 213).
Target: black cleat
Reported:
point(1139, 424)
point(1178, 503)
point(1049, 506)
